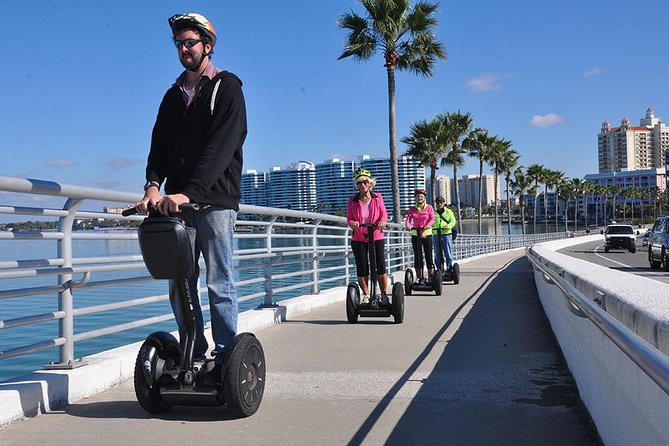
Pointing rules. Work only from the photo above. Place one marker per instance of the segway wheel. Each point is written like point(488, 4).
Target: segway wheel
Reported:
point(456, 273)
point(159, 348)
point(398, 303)
point(244, 381)
point(352, 301)
point(436, 282)
point(408, 281)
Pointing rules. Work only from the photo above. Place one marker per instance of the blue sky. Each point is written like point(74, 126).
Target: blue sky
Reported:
point(82, 80)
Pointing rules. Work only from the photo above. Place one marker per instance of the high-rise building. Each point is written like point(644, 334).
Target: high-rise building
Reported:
point(254, 188)
point(411, 177)
point(445, 188)
point(629, 147)
point(334, 185)
point(468, 187)
point(293, 188)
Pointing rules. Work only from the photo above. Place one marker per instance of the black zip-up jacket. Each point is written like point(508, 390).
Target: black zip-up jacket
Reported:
point(199, 152)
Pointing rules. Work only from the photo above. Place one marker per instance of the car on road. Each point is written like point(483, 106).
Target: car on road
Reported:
point(619, 236)
point(658, 244)
point(646, 236)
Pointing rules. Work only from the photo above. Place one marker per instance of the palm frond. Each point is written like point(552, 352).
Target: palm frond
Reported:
point(360, 42)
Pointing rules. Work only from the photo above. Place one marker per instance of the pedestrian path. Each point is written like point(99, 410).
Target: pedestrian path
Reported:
point(477, 365)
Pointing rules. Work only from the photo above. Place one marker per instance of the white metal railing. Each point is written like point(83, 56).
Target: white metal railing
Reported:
point(281, 252)
point(647, 357)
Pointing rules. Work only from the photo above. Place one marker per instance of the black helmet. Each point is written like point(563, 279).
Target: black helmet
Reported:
point(193, 20)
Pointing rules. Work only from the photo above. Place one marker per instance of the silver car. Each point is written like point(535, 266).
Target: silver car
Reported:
point(658, 244)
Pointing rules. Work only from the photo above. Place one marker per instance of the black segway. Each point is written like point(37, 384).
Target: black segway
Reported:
point(376, 307)
point(417, 282)
point(454, 274)
point(165, 372)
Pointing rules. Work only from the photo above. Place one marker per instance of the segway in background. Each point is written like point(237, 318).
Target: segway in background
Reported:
point(376, 307)
point(454, 274)
point(419, 282)
point(165, 372)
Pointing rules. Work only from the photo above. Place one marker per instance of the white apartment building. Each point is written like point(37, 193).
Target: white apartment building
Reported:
point(629, 147)
point(468, 187)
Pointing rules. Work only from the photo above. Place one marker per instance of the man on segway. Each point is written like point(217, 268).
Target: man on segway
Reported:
point(444, 223)
point(196, 149)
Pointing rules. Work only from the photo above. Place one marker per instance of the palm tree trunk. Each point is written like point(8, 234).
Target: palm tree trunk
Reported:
point(457, 197)
point(495, 198)
point(546, 209)
point(394, 171)
point(480, 196)
point(508, 205)
point(433, 181)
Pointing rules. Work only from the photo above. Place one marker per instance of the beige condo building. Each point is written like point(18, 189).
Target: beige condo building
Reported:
point(629, 147)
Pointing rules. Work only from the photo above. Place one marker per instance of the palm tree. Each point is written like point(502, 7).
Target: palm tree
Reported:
point(579, 189)
point(428, 143)
point(654, 195)
point(521, 183)
point(456, 125)
point(535, 172)
point(405, 37)
point(551, 178)
point(479, 145)
point(499, 148)
point(506, 164)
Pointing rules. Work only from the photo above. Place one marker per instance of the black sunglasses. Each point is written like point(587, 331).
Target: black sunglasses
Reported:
point(188, 43)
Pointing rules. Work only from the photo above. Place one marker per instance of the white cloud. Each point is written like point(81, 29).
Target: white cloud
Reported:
point(544, 121)
point(593, 72)
point(117, 164)
point(484, 82)
point(62, 163)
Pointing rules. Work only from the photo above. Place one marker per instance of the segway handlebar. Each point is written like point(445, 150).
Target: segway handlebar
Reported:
point(193, 207)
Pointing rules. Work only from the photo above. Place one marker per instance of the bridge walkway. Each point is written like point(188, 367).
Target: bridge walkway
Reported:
point(477, 365)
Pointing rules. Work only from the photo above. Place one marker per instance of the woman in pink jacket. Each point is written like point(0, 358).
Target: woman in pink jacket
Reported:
point(419, 221)
point(367, 207)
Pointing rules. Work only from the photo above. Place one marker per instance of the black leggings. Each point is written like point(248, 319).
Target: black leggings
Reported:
point(426, 244)
point(360, 251)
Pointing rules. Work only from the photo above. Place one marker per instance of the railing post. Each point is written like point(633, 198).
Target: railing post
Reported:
point(65, 298)
point(314, 256)
point(268, 264)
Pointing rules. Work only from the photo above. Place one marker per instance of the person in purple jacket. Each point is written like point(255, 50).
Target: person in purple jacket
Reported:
point(419, 221)
point(367, 207)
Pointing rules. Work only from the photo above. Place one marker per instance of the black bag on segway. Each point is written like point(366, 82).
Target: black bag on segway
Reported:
point(454, 234)
point(168, 247)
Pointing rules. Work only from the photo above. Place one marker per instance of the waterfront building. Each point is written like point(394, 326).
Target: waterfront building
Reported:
point(445, 188)
point(334, 185)
point(645, 179)
point(468, 187)
point(629, 147)
point(254, 188)
point(411, 177)
point(293, 187)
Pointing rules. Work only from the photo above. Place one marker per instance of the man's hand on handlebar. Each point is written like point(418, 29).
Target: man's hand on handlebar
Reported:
point(170, 203)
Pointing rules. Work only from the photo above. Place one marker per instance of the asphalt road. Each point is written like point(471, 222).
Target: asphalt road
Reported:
point(618, 259)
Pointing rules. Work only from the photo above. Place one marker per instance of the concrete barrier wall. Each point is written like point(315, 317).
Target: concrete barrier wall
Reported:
point(625, 404)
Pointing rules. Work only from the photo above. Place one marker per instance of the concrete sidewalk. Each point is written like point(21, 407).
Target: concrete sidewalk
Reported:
point(477, 365)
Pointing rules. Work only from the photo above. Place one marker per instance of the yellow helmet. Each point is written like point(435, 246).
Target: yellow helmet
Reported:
point(362, 173)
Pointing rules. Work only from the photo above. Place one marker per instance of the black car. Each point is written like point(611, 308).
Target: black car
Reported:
point(658, 244)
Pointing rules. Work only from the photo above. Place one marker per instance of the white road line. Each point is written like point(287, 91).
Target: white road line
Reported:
point(635, 268)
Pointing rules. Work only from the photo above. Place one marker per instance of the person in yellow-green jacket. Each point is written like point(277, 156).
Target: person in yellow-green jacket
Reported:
point(442, 232)
point(419, 221)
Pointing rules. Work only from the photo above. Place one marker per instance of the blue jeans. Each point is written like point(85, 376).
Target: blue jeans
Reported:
point(215, 229)
point(446, 250)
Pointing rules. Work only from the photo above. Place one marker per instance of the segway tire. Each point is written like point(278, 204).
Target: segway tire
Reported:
point(408, 281)
point(244, 381)
point(158, 346)
point(352, 301)
point(436, 282)
point(456, 273)
point(398, 303)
